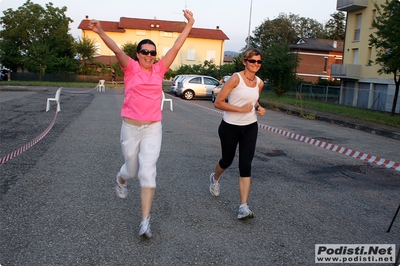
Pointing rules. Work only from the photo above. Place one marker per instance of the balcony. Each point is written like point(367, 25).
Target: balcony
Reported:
point(345, 71)
point(351, 5)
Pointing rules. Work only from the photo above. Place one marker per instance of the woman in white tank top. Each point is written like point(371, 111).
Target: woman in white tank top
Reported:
point(239, 126)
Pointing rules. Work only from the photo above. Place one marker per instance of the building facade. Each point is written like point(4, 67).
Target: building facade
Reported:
point(201, 44)
point(316, 57)
point(361, 85)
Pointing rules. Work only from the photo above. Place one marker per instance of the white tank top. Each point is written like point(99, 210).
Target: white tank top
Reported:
point(240, 96)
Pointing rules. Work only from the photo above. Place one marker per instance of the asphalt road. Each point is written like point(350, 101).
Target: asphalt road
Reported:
point(58, 204)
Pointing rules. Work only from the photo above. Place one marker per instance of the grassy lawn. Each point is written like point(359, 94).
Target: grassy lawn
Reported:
point(273, 101)
point(366, 114)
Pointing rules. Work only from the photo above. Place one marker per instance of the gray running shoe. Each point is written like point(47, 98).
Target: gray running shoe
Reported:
point(121, 190)
point(214, 186)
point(244, 212)
point(144, 228)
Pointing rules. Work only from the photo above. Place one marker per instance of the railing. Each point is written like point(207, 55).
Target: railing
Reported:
point(345, 71)
point(351, 5)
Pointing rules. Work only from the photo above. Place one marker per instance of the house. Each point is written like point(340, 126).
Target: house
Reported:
point(361, 85)
point(201, 44)
point(316, 57)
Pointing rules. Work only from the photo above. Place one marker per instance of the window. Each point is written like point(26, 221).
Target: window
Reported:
point(369, 56)
point(166, 34)
point(358, 28)
point(141, 32)
point(325, 63)
point(191, 55)
point(373, 17)
point(355, 56)
point(97, 46)
point(195, 80)
point(209, 81)
point(211, 56)
point(165, 50)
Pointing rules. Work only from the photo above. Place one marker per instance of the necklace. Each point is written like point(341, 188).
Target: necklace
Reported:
point(251, 80)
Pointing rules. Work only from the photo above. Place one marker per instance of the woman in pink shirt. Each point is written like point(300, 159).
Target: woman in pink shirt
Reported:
point(141, 129)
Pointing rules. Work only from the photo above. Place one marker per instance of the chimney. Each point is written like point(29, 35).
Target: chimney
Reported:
point(86, 17)
point(334, 44)
point(217, 27)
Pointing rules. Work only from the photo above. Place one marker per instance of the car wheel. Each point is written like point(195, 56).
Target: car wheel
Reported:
point(213, 97)
point(188, 95)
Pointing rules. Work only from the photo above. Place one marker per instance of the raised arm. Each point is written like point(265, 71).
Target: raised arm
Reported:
point(122, 57)
point(171, 54)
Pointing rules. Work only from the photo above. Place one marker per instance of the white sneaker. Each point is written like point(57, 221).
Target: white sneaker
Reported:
point(121, 190)
point(144, 228)
point(244, 212)
point(214, 186)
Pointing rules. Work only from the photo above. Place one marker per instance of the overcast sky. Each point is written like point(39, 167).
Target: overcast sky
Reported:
point(232, 16)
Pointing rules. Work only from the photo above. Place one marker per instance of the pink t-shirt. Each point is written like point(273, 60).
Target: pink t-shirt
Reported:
point(143, 91)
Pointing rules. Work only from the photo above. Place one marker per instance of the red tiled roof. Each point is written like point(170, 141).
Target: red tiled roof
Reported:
point(106, 25)
point(154, 24)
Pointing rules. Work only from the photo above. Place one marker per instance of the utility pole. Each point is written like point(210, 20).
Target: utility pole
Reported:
point(248, 34)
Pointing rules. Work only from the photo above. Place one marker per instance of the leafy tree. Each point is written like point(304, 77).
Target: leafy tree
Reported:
point(35, 34)
point(130, 49)
point(386, 40)
point(279, 30)
point(335, 28)
point(279, 67)
point(85, 48)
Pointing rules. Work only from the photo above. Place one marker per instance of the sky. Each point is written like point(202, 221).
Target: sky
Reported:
point(234, 17)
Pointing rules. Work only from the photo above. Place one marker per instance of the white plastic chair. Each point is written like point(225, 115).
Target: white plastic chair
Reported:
point(56, 99)
point(166, 100)
point(100, 86)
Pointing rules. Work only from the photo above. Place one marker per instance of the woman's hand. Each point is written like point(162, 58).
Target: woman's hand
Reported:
point(189, 16)
point(95, 26)
point(261, 111)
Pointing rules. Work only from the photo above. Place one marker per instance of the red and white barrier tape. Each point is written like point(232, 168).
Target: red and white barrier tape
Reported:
point(29, 144)
point(39, 137)
point(349, 152)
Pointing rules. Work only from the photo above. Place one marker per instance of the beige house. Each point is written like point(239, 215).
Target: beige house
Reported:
point(201, 44)
point(361, 85)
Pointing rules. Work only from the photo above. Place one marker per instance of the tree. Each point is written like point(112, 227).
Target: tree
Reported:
point(386, 40)
point(130, 49)
point(285, 29)
point(36, 38)
point(335, 28)
point(85, 48)
point(279, 67)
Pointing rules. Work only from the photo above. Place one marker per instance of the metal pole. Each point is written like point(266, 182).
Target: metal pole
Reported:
point(248, 34)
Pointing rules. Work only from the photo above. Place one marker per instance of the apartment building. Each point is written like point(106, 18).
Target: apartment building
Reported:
point(361, 85)
point(316, 57)
point(201, 44)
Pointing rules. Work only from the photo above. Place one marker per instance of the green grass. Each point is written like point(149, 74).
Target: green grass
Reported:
point(365, 114)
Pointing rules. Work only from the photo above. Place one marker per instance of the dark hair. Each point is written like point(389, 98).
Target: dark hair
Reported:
point(139, 46)
point(250, 52)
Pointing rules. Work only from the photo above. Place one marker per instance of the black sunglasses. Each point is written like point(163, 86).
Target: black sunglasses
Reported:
point(146, 52)
point(253, 61)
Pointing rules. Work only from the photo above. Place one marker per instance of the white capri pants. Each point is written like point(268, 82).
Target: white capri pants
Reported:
point(141, 147)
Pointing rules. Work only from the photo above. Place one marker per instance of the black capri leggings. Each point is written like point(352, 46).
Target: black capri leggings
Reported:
point(232, 135)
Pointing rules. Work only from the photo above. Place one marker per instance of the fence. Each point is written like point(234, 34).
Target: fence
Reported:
point(328, 94)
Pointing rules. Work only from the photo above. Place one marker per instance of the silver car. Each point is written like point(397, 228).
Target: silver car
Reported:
point(217, 89)
point(196, 86)
point(174, 84)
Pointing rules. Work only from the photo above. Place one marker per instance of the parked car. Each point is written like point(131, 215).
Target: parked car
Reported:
point(174, 84)
point(217, 89)
point(4, 74)
point(196, 86)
